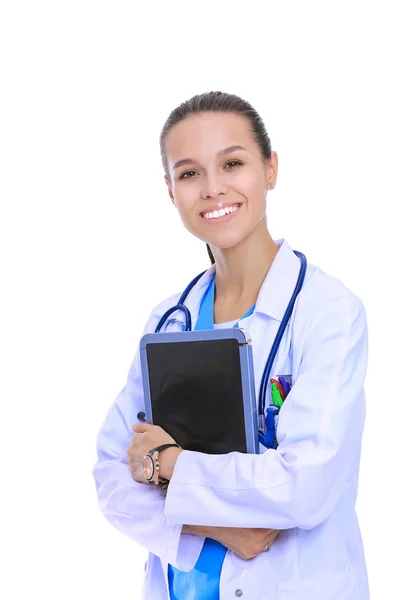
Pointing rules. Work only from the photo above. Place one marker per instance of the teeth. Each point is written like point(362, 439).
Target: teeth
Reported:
point(215, 214)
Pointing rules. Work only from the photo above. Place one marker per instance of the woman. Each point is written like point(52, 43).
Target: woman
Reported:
point(208, 534)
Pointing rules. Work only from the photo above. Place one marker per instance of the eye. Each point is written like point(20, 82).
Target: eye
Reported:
point(234, 163)
point(187, 175)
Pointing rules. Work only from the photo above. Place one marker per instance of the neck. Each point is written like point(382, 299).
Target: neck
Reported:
point(241, 270)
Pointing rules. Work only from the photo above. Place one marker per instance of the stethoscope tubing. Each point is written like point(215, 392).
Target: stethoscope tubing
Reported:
point(180, 306)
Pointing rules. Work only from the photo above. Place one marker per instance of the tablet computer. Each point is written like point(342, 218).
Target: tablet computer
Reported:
point(199, 387)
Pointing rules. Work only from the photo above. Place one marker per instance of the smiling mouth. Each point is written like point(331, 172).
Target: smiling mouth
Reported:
point(222, 212)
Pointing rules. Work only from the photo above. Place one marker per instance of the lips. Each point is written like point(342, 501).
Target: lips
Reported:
point(219, 212)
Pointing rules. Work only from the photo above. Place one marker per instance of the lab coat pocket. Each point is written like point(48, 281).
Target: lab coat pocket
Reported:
point(340, 586)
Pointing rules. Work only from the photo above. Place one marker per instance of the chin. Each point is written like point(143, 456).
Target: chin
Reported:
point(226, 242)
point(223, 240)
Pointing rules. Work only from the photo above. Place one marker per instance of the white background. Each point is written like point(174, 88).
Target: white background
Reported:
point(90, 241)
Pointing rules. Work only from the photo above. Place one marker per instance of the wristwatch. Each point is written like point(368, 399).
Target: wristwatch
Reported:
point(151, 465)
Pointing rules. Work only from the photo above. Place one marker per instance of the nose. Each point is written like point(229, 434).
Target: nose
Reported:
point(214, 185)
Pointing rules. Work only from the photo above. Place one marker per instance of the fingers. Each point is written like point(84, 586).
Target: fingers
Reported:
point(271, 540)
point(275, 534)
point(262, 540)
point(142, 427)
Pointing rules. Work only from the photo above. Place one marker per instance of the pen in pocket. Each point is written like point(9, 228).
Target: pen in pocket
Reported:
point(285, 384)
point(276, 395)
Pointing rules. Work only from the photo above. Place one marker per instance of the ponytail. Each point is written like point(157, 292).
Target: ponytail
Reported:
point(210, 254)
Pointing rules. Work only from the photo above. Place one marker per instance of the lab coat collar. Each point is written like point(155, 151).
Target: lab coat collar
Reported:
point(275, 292)
point(279, 284)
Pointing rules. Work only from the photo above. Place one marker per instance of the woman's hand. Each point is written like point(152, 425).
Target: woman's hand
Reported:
point(245, 542)
point(146, 438)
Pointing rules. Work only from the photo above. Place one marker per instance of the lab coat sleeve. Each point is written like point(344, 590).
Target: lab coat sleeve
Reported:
point(319, 435)
point(136, 509)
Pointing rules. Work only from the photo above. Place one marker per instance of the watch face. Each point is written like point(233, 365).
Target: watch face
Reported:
point(148, 468)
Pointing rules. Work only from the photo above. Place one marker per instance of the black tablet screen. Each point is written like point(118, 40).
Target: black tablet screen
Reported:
point(196, 394)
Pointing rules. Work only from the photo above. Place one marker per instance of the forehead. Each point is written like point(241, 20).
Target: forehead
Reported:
point(204, 134)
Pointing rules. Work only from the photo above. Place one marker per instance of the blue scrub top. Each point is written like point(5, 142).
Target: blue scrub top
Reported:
point(204, 577)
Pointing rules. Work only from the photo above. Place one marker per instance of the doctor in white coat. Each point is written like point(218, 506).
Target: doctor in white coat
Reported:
point(297, 501)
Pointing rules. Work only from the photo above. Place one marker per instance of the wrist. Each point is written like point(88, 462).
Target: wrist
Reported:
point(191, 529)
point(167, 460)
point(203, 531)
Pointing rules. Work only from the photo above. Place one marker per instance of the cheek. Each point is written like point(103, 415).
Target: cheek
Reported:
point(254, 186)
point(188, 207)
point(249, 184)
point(185, 202)
point(256, 196)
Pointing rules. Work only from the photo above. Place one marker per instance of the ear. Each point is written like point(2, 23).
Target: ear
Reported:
point(271, 171)
point(171, 195)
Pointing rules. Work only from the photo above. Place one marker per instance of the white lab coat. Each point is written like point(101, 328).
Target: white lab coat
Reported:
point(307, 487)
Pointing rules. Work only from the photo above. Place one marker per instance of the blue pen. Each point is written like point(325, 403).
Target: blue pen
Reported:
point(286, 386)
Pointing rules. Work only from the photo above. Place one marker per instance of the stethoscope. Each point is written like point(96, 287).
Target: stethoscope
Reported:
point(266, 422)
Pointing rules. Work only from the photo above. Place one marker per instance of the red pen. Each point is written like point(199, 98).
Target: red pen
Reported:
point(279, 387)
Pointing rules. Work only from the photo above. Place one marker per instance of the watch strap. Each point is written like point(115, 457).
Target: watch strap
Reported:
point(163, 447)
point(163, 483)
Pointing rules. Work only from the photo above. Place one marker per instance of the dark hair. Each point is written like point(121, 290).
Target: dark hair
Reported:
point(217, 102)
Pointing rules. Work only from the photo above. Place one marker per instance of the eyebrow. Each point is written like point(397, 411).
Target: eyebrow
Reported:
point(223, 152)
